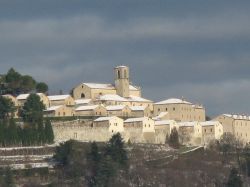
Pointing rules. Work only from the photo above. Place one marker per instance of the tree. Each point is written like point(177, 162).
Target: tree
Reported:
point(12, 78)
point(228, 145)
point(13, 137)
point(234, 179)
point(27, 84)
point(32, 111)
point(115, 149)
point(174, 138)
point(48, 132)
point(93, 158)
point(105, 172)
point(42, 87)
point(7, 108)
point(63, 152)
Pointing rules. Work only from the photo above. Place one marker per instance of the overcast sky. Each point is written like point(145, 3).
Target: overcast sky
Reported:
point(198, 49)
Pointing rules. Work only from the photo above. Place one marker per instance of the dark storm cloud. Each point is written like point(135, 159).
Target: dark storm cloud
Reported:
point(196, 49)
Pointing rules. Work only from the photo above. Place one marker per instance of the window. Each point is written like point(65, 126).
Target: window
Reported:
point(211, 130)
point(205, 130)
point(166, 109)
point(82, 95)
point(75, 135)
point(159, 110)
point(174, 109)
point(119, 74)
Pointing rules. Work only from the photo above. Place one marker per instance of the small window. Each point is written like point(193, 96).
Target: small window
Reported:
point(174, 109)
point(159, 110)
point(211, 130)
point(166, 109)
point(82, 95)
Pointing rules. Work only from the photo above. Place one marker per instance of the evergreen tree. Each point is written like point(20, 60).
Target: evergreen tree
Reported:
point(12, 79)
point(7, 108)
point(63, 152)
point(32, 111)
point(105, 172)
point(27, 84)
point(13, 137)
point(42, 87)
point(48, 131)
point(174, 138)
point(41, 133)
point(93, 158)
point(115, 149)
point(234, 179)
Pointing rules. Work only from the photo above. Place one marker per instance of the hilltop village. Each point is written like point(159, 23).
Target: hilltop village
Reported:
point(100, 110)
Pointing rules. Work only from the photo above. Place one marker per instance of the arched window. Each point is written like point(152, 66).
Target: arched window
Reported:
point(82, 95)
point(119, 74)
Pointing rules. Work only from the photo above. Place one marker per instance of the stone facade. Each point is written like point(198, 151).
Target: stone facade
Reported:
point(180, 110)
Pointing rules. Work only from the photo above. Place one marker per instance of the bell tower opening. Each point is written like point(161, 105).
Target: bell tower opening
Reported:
point(122, 81)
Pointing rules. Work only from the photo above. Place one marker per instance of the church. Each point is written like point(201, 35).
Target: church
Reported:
point(121, 87)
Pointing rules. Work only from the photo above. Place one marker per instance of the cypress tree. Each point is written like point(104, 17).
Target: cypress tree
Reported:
point(12, 133)
point(174, 139)
point(115, 149)
point(48, 131)
point(41, 133)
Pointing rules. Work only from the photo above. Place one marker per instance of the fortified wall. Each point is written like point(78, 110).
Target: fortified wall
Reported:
point(83, 130)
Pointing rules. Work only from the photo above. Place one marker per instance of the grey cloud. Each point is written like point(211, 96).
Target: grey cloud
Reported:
point(192, 49)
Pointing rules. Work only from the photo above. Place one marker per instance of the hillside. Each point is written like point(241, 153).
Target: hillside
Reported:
point(148, 165)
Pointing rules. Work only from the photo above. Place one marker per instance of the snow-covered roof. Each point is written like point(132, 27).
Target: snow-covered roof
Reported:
point(104, 118)
point(209, 123)
point(133, 88)
point(53, 108)
point(164, 122)
point(82, 101)
point(25, 96)
point(100, 86)
point(106, 86)
point(88, 107)
point(120, 67)
point(235, 116)
point(130, 120)
point(187, 124)
point(173, 101)
point(137, 108)
point(58, 97)
point(112, 97)
point(197, 106)
point(137, 99)
point(161, 115)
point(115, 107)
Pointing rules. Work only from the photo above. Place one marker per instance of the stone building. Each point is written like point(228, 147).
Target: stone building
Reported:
point(163, 129)
point(140, 111)
point(211, 130)
point(23, 97)
point(56, 100)
point(118, 110)
point(139, 130)
point(91, 110)
point(113, 124)
point(59, 111)
point(180, 110)
point(121, 87)
point(238, 125)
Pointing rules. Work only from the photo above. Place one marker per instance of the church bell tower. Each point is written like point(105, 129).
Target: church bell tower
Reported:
point(122, 81)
